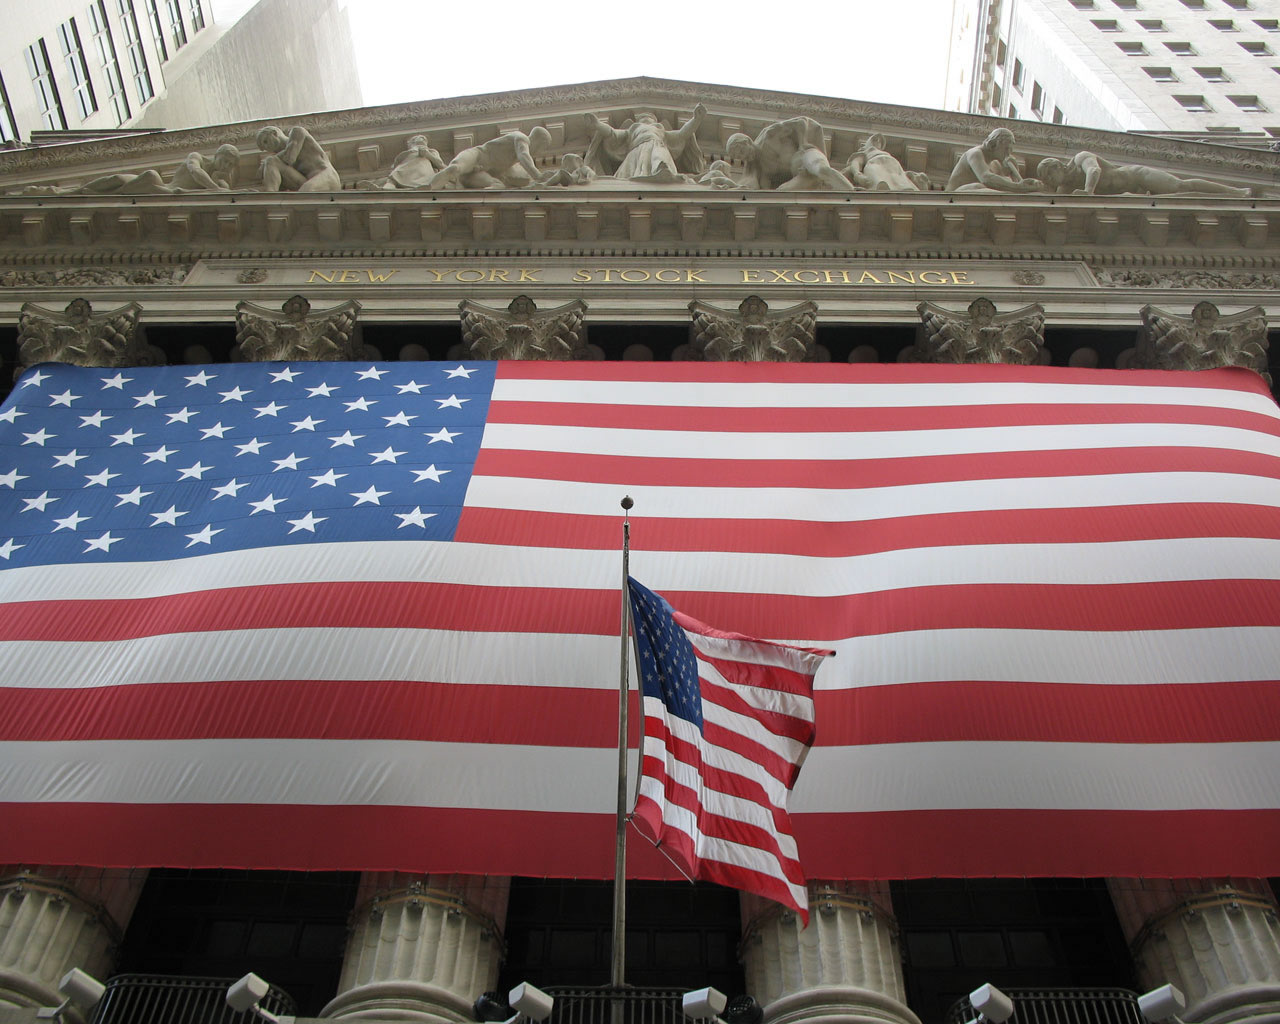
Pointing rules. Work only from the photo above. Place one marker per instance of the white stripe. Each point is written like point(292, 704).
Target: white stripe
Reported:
point(777, 702)
point(1069, 776)
point(716, 756)
point(489, 565)
point(714, 802)
point(1060, 776)
point(841, 505)
point(870, 445)
point(754, 652)
point(845, 395)
point(1116, 658)
point(574, 660)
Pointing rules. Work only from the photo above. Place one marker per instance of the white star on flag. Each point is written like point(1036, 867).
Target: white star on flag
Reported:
point(415, 518)
point(369, 496)
point(307, 522)
point(204, 536)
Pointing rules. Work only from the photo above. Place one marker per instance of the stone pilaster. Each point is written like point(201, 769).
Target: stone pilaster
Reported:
point(422, 948)
point(1215, 939)
point(53, 919)
point(299, 333)
point(1201, 341)
point(82, 337)
point(522, 331)
point(755, 334)
point(978, 335)
point(845, 967)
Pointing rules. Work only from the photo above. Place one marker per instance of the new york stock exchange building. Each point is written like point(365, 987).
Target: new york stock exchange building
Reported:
point(989, 416)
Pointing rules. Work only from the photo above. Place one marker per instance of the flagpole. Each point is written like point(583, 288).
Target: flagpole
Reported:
point(620, 823)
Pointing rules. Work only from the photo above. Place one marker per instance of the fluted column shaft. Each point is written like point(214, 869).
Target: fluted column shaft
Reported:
point(1216, 939)
point(845, 967)
point(55, 918)
point(422, 947)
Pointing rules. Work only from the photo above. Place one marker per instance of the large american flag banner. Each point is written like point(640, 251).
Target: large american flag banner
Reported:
point(728, 721)
point(324, 615)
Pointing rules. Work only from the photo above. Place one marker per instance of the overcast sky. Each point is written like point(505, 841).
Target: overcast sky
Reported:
point(891, 52)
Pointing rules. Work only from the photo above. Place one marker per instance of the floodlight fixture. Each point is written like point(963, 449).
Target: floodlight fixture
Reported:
point(993, 1006)
point(1163, 1003)
point(525, 1000)
point(743, 1009)
point(246, 993)
point(703, 1003)
point(80, 988)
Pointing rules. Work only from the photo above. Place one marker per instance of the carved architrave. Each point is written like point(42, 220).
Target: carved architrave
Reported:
point(82, 337)
point(521, 331)
point(980, 335)
point(329, 335)
point(1203, 340)
point(756, 334)
point(1161, 278)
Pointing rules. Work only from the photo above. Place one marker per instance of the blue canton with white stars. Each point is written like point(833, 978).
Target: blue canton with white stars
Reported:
point(163, 462)
point(667, 663)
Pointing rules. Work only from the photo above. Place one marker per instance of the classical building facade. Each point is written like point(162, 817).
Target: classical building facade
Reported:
point(641, 219)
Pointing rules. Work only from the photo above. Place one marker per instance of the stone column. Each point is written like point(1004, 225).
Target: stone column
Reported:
point(1216, 939)
point(846, 967)
point(754, 334)
point(422, 947)
point(55, 918)
point(82, 337)
point(978, 335)
point(299, 333)
point(1202, 341)
point(523, 331)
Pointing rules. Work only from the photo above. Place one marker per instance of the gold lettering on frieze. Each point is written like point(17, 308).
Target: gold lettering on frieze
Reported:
point(351, 276)
point(639, 275)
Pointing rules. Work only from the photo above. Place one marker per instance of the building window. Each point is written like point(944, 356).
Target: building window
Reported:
point(1057, 115)
point(157, 31)
point(1152, 24)
point(8, 127)
point(1257, 49)
point(1013, 111)
point(1223, 24)
point(1133, 49)
point(1239, 5)
point(1213, 74)
point(1250, 103)
point(1084, 5)
point(1161, 74)
point(1002, 51)
point(1126, 5)
point(1267, 24)
point(996, 97)
point(197, 15)
point(105, 48)
point(77, 68)
point(1196, 103)
point(137, 56)
point(1195, 5)
point(1017, 74)
point(1037, 98)
point(177, 30)
point(1181, 49)
point(1106, 25)
point(45, 87)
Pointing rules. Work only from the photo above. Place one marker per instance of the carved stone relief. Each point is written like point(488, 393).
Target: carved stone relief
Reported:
point(645, 149)
point(504, 162)
point(1239, 279)
point(1202, 341)
point(522, 331)
point(263, 335)
point(874, 169)
point(990, 167)
point(104, 276)
point(981, 335)
point(788, 156)
point(196, 173)
point(755, 334)
point(1089, 174)
point(295, 162)
point(82, 337)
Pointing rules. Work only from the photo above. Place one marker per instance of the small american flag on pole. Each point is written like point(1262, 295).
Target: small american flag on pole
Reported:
point(728, 721)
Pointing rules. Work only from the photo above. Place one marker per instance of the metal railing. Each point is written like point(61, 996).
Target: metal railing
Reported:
point(1061, 1006)
point(608, 1005)
point(173, 999)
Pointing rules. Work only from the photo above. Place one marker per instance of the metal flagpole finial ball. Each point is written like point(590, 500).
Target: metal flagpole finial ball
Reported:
point(627, 503)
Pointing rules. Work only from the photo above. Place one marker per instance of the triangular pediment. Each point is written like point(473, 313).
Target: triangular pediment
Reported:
point(363, 143)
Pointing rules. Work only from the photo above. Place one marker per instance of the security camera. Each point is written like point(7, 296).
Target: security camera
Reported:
point(245, 993)
point(703, 1003)
point(532, 1002)
point(1163, 1003)
point(80, 988)
point(991, 1004)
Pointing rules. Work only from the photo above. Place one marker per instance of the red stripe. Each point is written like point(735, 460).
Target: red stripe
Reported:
point(318, 709)
point(1050, 712)
point(790, 419)
point(1225, 379)
point(1100, 608)
point(851, 474)
point(1012, 526)
point(1227, 712)
point(755, 675)
point(713, 777)
point(902, 844)
point(779, 724)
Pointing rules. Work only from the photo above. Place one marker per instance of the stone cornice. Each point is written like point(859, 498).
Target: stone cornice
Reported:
point(554, 102)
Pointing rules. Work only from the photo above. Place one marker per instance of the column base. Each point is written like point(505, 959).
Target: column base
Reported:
point(1241, 1004)
point(401, 1001)
point(838, 1004)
